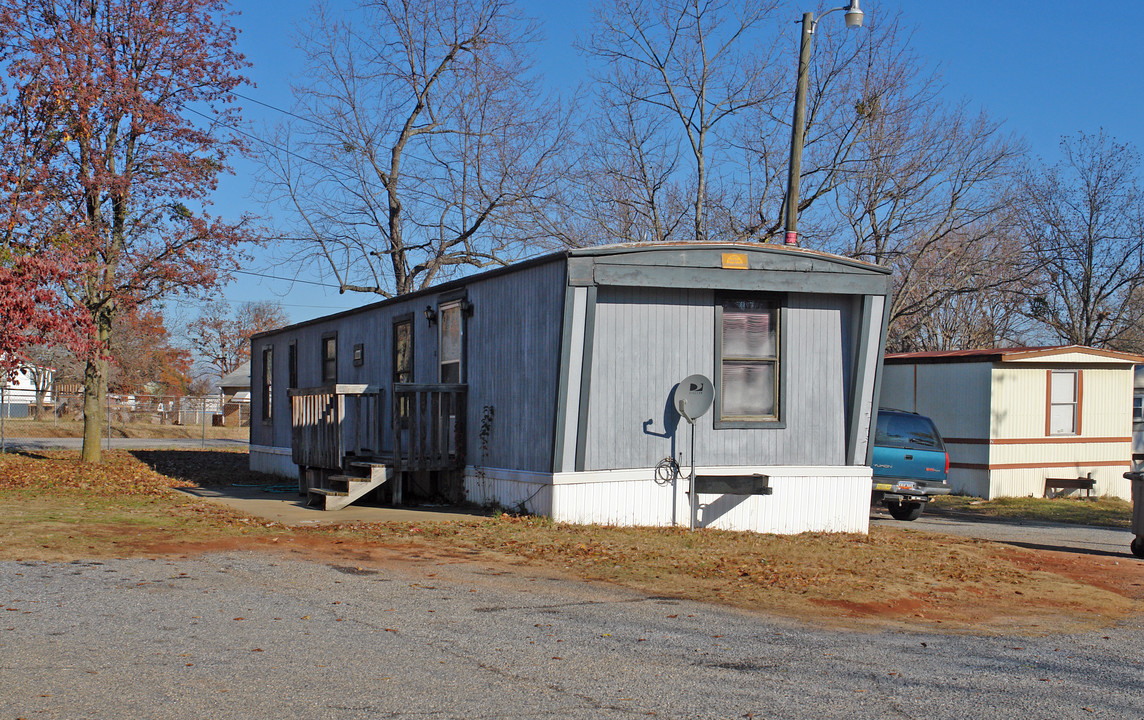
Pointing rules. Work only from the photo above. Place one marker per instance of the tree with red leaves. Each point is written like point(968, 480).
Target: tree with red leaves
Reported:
point(132, 108)
point(143, 358)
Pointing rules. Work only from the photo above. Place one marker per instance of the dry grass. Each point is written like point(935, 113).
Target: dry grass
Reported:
point(58, 510)
point(1104, 511)
point(889, 576)
point(68, 428)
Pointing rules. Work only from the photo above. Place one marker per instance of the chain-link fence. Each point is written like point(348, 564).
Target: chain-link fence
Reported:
point(56, 415)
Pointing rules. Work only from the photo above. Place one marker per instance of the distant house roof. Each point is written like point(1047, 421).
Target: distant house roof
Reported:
point(1052, 353)
point(237, 380)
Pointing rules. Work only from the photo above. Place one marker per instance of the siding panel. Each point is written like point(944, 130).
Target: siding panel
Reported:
point(512, 357)
point(648, 339)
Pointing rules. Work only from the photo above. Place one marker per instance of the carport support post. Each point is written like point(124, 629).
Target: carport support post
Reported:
point(3, 437)
point(203, 409)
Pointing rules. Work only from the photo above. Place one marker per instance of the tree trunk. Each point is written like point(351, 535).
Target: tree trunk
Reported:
point(94, 394)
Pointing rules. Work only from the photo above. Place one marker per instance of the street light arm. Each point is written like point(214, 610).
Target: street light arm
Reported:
point(814, 23)
point(853, 19)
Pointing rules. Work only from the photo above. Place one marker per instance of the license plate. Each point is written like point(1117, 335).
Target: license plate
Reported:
point(883, 486)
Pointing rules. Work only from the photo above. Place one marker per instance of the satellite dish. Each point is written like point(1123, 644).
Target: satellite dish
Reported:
point(693, 397)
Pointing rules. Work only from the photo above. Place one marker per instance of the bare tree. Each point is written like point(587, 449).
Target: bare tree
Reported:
point(420, 145)
point(930, 197)
point(221, 334)
point(1083, 219)
point(675, 75)
point(988, 316)
point(848, 73)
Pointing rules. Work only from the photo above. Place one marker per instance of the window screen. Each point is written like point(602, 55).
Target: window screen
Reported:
point(403, 351)
point(452, 343)
point(749, 360)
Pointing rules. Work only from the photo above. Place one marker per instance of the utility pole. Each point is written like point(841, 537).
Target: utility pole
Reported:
point(798, 129)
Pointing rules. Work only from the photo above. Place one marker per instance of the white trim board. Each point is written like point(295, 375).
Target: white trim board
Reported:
point(637, 474)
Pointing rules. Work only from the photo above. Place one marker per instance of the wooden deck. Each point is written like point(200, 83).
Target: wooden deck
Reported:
point(422, 429)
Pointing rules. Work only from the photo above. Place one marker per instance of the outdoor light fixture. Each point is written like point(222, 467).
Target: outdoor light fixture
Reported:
point(854, 18)
point(853, 15)
point(430, 314)
point(466, 307)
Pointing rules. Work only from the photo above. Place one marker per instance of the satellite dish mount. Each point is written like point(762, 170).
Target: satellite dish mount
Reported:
point(692, 399)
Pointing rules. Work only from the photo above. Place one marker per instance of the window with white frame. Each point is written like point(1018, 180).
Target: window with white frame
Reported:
point(1064, 402)
point(452, 343)
point(1137, 408)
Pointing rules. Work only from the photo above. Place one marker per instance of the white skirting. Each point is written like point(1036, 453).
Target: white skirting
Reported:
point(804, 499)
point(273, 461)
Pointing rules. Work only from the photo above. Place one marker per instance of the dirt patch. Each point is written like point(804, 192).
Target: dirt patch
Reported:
point(1124, 577)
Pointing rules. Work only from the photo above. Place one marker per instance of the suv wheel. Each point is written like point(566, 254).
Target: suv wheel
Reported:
point(1138, 546)
point(905, 511)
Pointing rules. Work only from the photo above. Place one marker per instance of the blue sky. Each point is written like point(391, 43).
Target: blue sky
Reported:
point(1047, 69)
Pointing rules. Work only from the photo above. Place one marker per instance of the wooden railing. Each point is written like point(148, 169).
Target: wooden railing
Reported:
point(327, 423)
point(429, 426)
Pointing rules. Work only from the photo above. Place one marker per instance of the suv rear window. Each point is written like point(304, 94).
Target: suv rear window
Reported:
point(906, 431)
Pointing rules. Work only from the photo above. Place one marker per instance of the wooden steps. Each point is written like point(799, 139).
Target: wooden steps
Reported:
point(345, 489)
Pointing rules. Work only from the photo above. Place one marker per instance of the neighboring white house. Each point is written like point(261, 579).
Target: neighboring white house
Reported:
point(1012, 418)
point(19, 389)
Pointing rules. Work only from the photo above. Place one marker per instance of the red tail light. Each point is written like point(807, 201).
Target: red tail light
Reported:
point(947, 463)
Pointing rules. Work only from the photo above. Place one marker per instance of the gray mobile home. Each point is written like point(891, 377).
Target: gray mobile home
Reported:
point(547, 385)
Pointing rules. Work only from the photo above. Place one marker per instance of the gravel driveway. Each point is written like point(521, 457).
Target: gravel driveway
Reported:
point(252, 635)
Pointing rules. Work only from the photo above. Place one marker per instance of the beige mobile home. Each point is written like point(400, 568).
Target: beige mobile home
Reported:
point(1016, 419)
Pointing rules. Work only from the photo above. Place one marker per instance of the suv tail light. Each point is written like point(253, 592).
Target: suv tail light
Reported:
point(947, 462)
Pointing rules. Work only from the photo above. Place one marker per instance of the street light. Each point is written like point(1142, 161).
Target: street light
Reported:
point(798, 125)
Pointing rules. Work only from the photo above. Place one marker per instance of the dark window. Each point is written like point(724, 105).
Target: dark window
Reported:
point(906, 431)
point(329, 358)
point(452, 343)
point(267, 382)
point(403, 351)
point(749, 361)
point(403, 361)
point(292, 359)
point(359, 355)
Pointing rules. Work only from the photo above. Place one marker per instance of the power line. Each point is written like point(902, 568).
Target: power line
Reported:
point(295, 280)
point(292, 114)
point(214, 120)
